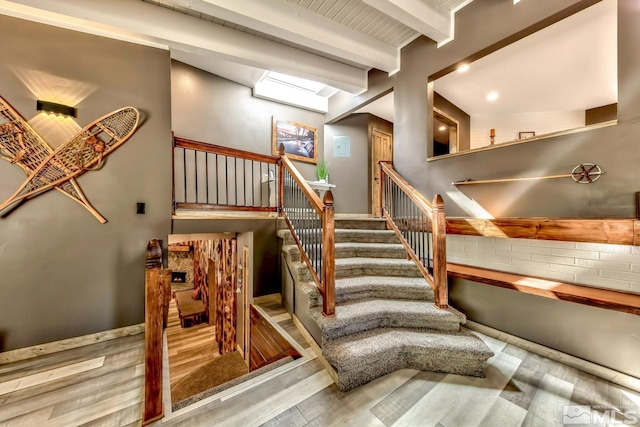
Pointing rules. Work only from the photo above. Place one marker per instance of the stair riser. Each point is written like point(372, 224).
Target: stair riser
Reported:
point(450, 363)
point(346, 236)
point(393, 320)
point(380, 252)
point(343, 272)
point(353, 224)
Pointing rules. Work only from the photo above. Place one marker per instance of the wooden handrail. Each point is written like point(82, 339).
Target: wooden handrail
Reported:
point(414, 194)
point(313, 198)
point(225, 151)
point(620, 231)
point(434, 212)
point(325, 279)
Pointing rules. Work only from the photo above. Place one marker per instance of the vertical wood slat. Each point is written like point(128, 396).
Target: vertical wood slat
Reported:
point(441, 290)
point(153, 408)
point(328, 256)
point(165, 279)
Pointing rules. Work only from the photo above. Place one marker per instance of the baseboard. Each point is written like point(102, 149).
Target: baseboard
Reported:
point(599, 371)
point(67, 344)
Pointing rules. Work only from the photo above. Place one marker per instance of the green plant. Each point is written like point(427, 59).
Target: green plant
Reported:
point(322, 170)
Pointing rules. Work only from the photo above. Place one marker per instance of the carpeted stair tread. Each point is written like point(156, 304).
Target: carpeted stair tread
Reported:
point(361, 315)
point(355, 250)
point(389, 349)
point(360, 266)
point(407, 288)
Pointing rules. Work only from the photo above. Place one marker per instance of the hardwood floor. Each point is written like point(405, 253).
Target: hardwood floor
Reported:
point(79, 387)
point(189, 348)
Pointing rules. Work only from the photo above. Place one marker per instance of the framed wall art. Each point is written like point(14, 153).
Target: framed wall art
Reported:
point(300, 141)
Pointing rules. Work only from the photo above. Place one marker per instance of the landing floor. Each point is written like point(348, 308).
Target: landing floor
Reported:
point(101, 385)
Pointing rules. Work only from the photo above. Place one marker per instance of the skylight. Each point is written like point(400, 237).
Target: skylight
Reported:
point(294, 91)
point(296, 82)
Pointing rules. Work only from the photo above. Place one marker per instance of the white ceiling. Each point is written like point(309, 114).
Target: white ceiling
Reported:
point(571, 65)
point(334, 42)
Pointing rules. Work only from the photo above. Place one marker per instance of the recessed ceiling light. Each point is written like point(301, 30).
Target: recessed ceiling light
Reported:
point(442, 128)
point(492, 96)
point(463, 68)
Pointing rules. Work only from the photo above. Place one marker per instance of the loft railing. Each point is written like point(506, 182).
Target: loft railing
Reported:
point(211, 177)
point(420, 226)
point(312, 226)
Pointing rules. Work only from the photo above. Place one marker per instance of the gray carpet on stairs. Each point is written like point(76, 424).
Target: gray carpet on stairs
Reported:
point(385, 316)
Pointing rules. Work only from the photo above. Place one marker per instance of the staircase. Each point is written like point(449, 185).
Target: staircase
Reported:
point(385, 315)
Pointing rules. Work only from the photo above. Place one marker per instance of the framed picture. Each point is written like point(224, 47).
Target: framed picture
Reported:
point(524, 135)
point(300, 141)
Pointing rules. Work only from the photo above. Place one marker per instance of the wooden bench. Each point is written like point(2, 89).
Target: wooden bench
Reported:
point(191, 311)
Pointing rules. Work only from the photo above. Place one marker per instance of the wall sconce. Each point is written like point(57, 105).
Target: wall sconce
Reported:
point(52, 107)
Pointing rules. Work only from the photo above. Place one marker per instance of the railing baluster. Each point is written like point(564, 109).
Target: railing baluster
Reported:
point(217, 181)
point(195, 163)
point(206, 169)
point(184, 163)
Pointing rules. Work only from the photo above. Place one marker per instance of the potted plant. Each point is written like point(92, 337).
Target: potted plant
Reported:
point(323, 172)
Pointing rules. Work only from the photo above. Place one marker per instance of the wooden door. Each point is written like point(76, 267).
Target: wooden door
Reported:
point(382, 149)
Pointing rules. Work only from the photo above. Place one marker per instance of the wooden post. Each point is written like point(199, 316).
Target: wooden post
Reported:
point(328, 256)
point(281, 179)
point(153, 409)
point(441, 290)
point(165, 280)
point(382, 190)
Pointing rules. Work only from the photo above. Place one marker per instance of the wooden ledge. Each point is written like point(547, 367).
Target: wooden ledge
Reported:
point(620, 231)
point(596, 297)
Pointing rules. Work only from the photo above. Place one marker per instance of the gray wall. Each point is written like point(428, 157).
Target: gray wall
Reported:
point(63, 273)
point(211, 109)
point(463, 119)
point(479, 26)
point(266, 250)
point(352, 175)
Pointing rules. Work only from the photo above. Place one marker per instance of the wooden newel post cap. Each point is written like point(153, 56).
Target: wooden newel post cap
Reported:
point(281, 150)
point(438, 203)
point(328, 198)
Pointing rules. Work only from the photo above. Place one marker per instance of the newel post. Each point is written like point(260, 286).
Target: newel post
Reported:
point(328, 256)
point(440, 253)
point(281, 179)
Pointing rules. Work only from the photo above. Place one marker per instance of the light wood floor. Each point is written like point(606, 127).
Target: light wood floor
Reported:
point(78, 387)
point(189, 348)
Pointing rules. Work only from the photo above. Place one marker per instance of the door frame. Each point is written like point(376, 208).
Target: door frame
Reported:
point(375, 170)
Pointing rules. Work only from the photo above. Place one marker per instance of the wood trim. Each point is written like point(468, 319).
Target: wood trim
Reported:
point(621, 231)
point(413, 194)
point(25, 353)
point(153, 407)
point(313, 198)
point(328, 256)
point(206, 207)
point(441, 287)
point(225, 151)
point(595, 297)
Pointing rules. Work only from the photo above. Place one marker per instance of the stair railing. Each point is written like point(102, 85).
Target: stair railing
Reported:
point(312, 225)
point(211, 177)
point(420, 226)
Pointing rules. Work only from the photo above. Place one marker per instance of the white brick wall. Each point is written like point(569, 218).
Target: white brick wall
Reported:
point(600, 265)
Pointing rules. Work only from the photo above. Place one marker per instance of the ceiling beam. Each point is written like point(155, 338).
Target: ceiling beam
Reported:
point(288, 21)
point(137, 21)
point(424, 16)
